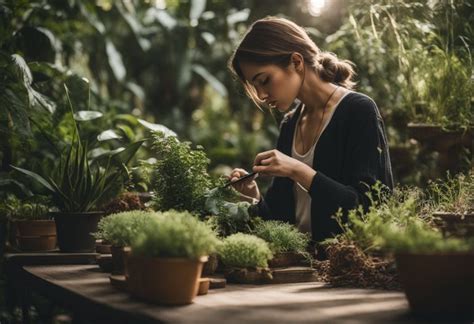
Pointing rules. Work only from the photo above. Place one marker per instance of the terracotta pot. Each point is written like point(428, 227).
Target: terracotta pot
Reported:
point(167, 281)
point(438, 285)
point(285, 259)
point(459, 225)
point(119, 255)
point(210, 266)
point(75, 230)
point(36, 235)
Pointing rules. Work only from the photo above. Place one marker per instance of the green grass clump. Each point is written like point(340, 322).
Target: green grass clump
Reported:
point(454, 194)
point(282, 237)
point(176, 234)
point(122, 228)
point(245, 251)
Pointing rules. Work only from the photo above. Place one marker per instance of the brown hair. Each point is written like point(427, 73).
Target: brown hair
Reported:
point(273, 40)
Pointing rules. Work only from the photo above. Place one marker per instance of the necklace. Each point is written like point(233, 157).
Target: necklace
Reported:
point(320, 123)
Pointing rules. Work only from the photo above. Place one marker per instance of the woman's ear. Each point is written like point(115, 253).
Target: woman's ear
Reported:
point(298, 61)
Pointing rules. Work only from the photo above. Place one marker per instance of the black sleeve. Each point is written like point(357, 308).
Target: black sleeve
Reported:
point(367, 161)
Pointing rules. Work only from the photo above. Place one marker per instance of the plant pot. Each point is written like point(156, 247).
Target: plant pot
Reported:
point(455, 224)
point(119, 255)
point(438, 285)
point(286, 259)
point(167, 281)
point(75, 230)
point(36, 235)
point(102, 247)
point(449, 144)
point(210, 266)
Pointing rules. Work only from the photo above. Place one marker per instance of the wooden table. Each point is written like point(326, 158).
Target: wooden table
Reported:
point(87, 292)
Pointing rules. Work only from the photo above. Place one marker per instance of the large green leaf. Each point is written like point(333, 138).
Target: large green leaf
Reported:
point(108, 135)
point(85, 115)
point(212, 80)
point(157, 127)
point(115, 60)
point(36, 177)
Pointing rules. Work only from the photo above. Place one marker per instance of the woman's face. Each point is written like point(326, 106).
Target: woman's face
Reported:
point(277, 86)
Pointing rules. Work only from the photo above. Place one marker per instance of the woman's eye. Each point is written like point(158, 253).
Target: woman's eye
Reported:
point(265, 81)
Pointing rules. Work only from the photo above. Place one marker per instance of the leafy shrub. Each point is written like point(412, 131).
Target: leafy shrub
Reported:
point(245, 251)
point(175, 234)
point(181, 179)
point(282, 237)
point(16, 209)
point(122, 228)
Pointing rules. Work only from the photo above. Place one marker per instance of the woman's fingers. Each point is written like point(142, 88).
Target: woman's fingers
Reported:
point(263, 156)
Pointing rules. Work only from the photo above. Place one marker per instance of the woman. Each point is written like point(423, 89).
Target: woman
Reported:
point(332, 147)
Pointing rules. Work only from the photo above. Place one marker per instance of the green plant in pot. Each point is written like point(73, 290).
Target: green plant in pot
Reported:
point(180, 179)
point(78, 186)
point(120, 230)
point(33, 227)
point(451, 202)
point(167, 258)
point(289, 246)
point(245, 258)
point(437, 273)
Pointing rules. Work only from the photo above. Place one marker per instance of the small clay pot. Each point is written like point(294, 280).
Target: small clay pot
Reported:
point(119, 255)
point(166, 281)
point(36, 235)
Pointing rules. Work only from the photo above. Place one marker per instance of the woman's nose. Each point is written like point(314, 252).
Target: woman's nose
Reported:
point(262, 95)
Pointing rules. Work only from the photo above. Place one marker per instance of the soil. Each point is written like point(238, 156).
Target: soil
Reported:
point(348, 266)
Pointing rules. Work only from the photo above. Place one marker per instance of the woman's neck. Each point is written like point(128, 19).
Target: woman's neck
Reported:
point(315, 92)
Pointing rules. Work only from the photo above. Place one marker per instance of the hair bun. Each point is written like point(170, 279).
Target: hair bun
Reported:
point(334, 70)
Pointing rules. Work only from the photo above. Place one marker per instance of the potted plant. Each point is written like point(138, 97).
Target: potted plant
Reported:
point(180, 178)
point(452, 204)
point(79, 186)
point(289, 246)
point(245, 258)
point(34, 228)
point(437, 273)
point(119, 230)
point(167, 258)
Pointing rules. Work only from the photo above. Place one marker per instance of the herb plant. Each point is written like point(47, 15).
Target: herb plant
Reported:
point(180, 175)
point(245, 251)
point(15, 209)
point(122, 228)
point(282, 237)
point(455, 194)
point(175, 234)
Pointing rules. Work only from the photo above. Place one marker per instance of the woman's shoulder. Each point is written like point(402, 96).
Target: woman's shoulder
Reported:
point(358, 105)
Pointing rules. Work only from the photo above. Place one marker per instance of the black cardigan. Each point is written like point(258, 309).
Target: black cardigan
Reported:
point(351, 153)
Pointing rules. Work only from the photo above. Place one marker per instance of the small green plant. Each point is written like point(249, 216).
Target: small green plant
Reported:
point(363, 228)
point(122, 228)
point(230, 216)
point(282, 237)
point(418, 237)
point(180, 175)
point(454, 195)
point(15, 209)
point(176, 234)
point(245, 251)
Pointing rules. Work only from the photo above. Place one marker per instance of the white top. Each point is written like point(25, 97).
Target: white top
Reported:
point(302, 197)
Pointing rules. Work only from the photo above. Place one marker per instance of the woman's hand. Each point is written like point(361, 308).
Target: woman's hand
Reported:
point(247, 188)
point(276, 164)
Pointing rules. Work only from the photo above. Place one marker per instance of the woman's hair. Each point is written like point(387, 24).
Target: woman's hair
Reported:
point(273, 40)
